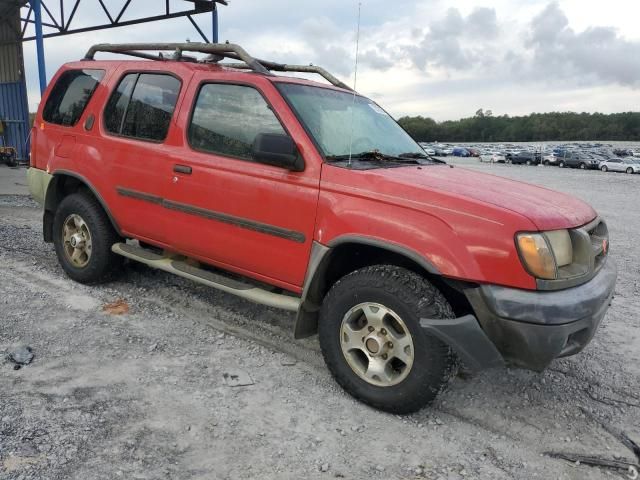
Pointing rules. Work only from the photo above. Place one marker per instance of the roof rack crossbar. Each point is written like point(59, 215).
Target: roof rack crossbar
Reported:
point(223, 50)
point(282, 67)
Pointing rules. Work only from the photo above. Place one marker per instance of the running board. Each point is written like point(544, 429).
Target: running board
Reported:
point(206, 277)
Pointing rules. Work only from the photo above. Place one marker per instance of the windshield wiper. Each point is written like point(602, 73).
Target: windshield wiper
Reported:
point(421, 155)
point(375, 155)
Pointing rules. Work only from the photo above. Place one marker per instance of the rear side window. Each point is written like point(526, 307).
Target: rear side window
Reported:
point(227, 118)
point(142, 106)
point(70, 95)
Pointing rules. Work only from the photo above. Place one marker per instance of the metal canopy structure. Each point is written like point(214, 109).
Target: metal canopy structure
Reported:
point(62, 21)
point(28, 20)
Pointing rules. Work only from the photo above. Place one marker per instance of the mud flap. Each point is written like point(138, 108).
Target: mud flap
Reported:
point(466, 338)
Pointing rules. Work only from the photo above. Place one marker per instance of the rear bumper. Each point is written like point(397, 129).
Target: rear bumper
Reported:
point(38, 181)
point(531, 328)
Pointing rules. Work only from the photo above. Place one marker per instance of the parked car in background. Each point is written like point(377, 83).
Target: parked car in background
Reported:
point(550, 160)
point(474, 152)
point(493, 157)
point(460, 152)
point(428, 148)
point(622, 152)
point(578, 160)
point(526, 158)
point(626, 165)
point(441, 152)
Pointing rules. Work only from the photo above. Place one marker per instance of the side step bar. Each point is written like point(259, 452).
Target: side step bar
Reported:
point(206, 277)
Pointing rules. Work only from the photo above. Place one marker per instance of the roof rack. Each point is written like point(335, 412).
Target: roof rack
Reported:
point(217, 51)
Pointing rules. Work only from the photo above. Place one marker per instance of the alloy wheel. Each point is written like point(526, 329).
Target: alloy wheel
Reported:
point(376, 344)
point(76, 240)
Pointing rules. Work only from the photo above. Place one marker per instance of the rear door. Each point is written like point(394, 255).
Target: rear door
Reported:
point(230, 210)
point(135, 144)
point(617, 165)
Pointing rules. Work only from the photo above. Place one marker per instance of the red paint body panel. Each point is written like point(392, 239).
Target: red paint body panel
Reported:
point(461, 222)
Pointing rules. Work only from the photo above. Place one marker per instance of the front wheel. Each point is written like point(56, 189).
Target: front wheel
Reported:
point(372, 341)
point(83, 236)
point(561, 164)
point(629, 170)
point(604, 168)
point(583, 166)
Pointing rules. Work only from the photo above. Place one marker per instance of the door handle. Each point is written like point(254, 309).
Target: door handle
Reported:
point(182, 169)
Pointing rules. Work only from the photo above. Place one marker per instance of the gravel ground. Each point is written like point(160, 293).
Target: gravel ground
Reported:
point(147, 394)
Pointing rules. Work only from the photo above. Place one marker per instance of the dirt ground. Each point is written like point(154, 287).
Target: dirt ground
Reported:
point(146, 395)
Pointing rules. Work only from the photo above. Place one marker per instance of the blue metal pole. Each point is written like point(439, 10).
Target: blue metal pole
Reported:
point(37, 12)
point(214, 33)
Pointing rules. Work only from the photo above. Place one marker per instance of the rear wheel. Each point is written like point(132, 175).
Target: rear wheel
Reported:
point(83, 236)
point(561, 164)
point(529, 162)
point(629, 170)
point(604, 168)
point(372, 341)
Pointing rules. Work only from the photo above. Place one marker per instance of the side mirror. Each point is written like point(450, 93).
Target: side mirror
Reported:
point(277, 149)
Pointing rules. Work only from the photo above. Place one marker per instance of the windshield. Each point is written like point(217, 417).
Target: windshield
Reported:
point(330, 115)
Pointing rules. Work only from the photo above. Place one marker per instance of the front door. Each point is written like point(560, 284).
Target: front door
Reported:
point(230, 210)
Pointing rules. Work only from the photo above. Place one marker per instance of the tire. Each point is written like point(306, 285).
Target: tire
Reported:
point(583, 166)
point(629, 170)
point(409, 297)
point(528, 162)
point(546, 163)
point(561, 164)
point(97, 263)
point(604, 168)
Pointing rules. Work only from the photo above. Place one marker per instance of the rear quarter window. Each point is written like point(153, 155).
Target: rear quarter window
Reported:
point(70, 96)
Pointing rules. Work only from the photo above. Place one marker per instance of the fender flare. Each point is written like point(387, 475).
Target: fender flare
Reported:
point(52, 200)
point(307, 318)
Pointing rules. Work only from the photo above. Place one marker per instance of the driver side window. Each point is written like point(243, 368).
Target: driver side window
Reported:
point(227, 118)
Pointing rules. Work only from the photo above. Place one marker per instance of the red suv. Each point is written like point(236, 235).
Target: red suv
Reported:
point(309, 197)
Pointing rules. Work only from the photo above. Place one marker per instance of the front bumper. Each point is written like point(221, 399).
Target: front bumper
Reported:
point(531, 328)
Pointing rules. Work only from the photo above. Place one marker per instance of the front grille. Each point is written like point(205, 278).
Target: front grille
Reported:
point(599, 236)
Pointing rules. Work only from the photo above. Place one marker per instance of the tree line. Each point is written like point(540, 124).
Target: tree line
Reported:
point(554, 126)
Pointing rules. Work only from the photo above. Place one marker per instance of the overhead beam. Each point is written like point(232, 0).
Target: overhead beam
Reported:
point(126, 23)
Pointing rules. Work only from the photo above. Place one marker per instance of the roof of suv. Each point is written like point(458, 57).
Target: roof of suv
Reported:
point(216, 52)
point(218, 69)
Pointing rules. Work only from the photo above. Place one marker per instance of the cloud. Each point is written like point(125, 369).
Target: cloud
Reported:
point(483, 22)
point(418, 56)
point(451, 42)
point(375, 60)
point(597, 54)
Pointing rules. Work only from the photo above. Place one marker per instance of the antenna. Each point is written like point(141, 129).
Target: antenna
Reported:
point(355, 81)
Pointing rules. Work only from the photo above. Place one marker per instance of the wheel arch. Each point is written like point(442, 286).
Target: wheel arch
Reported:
point(345, 254)
point(65, 183)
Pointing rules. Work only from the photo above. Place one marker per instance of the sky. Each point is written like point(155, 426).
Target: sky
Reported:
point(436, 58)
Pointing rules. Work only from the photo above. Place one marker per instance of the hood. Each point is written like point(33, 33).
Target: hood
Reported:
point(546, 209)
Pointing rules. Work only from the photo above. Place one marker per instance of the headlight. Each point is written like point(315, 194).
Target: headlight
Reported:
point(543, 253)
